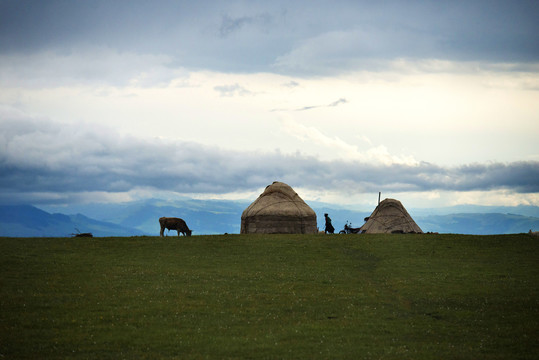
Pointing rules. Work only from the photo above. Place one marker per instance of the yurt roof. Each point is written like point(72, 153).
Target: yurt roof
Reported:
point(279, 199)
point(390, 216)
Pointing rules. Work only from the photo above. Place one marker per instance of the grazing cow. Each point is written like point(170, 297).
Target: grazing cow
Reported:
point(172, 223)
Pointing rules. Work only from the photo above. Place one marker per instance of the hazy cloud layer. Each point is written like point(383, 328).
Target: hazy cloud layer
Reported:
point(41, 157)
point(300, 37)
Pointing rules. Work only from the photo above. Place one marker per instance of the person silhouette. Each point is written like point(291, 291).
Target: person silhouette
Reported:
point(329, 228)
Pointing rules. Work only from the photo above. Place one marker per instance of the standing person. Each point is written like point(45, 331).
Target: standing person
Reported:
point(329, 228)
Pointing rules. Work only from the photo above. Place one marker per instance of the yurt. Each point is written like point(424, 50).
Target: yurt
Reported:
point(278, 210)
point(390, 216)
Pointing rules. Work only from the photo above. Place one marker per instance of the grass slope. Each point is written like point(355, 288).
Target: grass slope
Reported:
point(278, 296)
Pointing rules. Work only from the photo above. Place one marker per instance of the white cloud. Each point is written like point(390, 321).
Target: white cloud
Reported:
point(495, 198)
point(392, 117)
point(232, 90)
point(340, 149)
point(99, 66)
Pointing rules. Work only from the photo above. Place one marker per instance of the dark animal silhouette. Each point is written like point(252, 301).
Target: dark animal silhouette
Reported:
point(79, 234)
point(172, 223)
point(83, 235)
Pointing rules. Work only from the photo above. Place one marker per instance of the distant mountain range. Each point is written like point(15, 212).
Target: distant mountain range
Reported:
point(29, 221)
point(478, 224)
point(224, 216)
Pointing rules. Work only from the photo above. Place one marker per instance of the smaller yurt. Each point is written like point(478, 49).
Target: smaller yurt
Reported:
point(278, 210)
point(390, 216)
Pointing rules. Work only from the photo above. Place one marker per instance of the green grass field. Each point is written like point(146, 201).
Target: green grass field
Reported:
point(270, 297)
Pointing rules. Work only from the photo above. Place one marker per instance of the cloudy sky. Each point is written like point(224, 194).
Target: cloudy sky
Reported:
point(432, 102)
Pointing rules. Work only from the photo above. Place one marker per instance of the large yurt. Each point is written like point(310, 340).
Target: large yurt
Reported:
point(278, 210)
point(390, 216)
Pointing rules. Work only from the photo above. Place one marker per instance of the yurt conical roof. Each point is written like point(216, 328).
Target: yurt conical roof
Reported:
point(390, 216)
point(278, 210)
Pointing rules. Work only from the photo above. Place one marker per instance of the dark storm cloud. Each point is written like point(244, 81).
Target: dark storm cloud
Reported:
point(300, 37)
point(41, 157)
point(230, 25)
point(62, 25)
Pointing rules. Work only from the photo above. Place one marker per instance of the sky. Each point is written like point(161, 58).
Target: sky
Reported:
point(434, 103)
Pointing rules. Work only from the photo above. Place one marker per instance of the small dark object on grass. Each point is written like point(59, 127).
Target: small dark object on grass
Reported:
point(83, 235)
point(79, 234)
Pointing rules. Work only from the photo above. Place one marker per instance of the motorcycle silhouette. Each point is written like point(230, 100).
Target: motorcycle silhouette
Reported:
point(348, 229)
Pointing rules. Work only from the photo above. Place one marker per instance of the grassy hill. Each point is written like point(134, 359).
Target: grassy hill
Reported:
point(278, 296)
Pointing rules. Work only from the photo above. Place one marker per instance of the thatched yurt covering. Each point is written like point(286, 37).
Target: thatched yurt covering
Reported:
point(390, 217)
point(278, 210)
